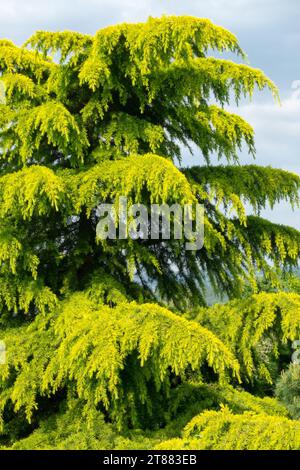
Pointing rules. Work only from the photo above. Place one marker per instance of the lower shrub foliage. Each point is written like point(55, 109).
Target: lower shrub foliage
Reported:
point(222, 430)
point(89, 375)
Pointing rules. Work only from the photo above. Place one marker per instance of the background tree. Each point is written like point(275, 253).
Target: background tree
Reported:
point(87, 322)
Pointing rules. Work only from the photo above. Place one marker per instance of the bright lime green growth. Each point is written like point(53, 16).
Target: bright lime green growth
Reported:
point(221, 430)
point(136, 352)
point(239, 401)
point(67, 430)
point(255, 329)
point(96, 330)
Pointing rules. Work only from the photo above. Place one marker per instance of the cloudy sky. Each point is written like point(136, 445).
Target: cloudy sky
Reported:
point(268, 31)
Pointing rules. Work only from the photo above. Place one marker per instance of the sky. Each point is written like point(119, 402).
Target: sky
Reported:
point(268, 31)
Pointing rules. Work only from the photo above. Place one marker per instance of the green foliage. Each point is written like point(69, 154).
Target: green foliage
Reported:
point(231, 186)
point(291, 282)
point(66, 428)
point(94, 329)
point(135, 93)
point(122, 358)
point(239, 401)
point(255, 329)
point(288, 389)
point(190, 399)
point(222, 430)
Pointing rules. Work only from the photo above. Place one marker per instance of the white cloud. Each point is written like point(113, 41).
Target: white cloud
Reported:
point(277, 129)
point(89, 15)
point(272, 118)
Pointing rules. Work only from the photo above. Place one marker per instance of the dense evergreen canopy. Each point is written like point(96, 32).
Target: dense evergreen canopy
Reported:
point(118, 331)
